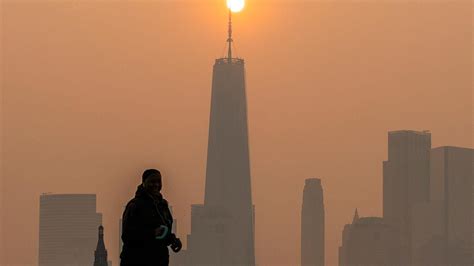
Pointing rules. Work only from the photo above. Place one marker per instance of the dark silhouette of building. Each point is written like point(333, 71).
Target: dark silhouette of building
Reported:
point(443, 228)
point(405, 183)
point(312, 224)
point(367, 241)
point(100, 254)
point(222, 229)
point(68, 229)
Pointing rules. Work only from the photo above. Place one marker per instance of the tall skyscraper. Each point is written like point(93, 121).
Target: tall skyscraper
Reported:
point(452, 185)
point(100, 254)
point(312, 224)
point(222, 229)
point(68, 229)
point(405, 182)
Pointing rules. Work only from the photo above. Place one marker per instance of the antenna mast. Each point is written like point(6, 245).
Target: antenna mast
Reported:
point(229, 38)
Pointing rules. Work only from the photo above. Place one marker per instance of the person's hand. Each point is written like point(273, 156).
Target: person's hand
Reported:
point(176, 245)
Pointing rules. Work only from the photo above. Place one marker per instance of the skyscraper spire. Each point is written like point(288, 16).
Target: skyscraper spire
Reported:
point(356, 216)
point(100, 256)
point(229, 38)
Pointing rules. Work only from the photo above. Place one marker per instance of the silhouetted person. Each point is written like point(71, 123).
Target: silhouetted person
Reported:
point(147, 224)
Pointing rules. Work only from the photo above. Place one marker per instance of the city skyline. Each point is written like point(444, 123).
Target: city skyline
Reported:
point(316, 107)
point(448, 166)
point(428, 208)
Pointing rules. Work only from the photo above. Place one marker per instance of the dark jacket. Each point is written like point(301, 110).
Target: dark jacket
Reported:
point(141, 217)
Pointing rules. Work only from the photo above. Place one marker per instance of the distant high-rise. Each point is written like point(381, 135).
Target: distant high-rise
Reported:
point(443, 228)
point(312, 224)
point(368, 241)
point(100, 254)
point(405, 182)
point(452, 185)
point(222, 229)
point(68, 229)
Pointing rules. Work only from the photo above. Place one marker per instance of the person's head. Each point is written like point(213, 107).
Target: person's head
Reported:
point(151, 180)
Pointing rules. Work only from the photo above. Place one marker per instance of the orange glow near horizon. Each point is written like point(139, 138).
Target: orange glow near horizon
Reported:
point(90, 98)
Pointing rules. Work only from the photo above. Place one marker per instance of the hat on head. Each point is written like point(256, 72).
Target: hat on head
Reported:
point(150, 172)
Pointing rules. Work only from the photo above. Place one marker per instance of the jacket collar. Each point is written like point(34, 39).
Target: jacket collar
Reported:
point(142, 193)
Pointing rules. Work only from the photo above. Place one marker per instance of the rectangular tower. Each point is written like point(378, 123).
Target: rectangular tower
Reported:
point(68, 229)
point(312, 224)
point(452, 185)
point(405, 182)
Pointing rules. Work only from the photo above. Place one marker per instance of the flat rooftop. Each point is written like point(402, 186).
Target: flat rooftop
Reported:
point(424, 132)
point(225, 60)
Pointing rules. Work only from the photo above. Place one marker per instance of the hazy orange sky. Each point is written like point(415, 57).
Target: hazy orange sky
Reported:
point(93, 92)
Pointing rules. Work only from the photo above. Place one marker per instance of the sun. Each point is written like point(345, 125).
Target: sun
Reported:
point(235, 5)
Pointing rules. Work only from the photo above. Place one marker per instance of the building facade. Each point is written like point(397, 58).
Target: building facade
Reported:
point(68, 229)
point(312, 224)
point(406, 180)
point(368, 241)
point(443, 227)
point(222, 229)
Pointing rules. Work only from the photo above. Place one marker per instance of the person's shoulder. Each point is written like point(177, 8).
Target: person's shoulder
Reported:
point(131, 202)
point(134, 207)
point(134, 203)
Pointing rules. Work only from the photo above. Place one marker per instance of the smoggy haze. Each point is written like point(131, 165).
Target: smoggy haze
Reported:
point(96, 91)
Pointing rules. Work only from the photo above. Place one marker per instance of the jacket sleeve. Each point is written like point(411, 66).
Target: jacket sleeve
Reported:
point(133, 230)
point(170, 238)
